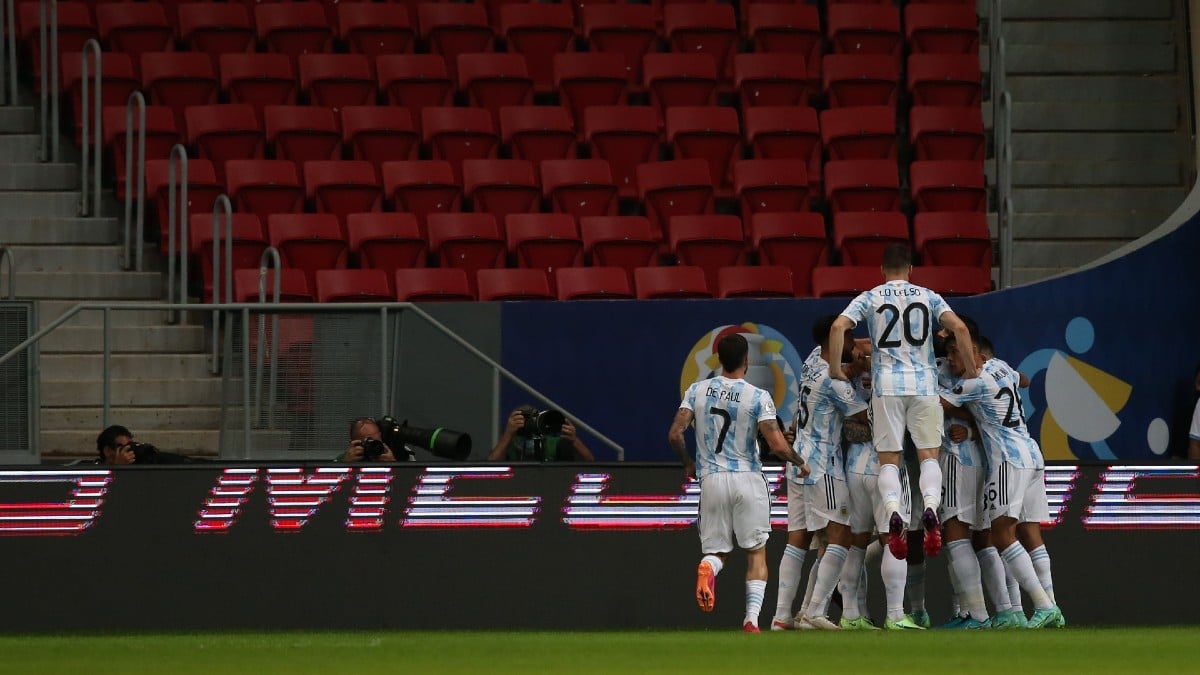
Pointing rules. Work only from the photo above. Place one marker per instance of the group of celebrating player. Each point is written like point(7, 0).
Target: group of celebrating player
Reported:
point(981, 479)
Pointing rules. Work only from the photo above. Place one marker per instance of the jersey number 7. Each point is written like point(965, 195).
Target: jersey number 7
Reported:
point(725, 419)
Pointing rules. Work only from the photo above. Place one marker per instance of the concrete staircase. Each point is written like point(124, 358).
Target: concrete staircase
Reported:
point(161, 387)
point(1102, 148)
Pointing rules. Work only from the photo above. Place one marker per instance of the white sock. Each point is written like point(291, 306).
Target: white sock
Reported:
point(893, 572)
point(1041, 562)
point(1014, 589)
point(931, 483)
point(862, 589)
point(955, 605)
point(755, 589)
point(812, 580)
point(791, 567)
point(715, 562)
point(991, 568)
point(916, 587)
point(848, 585)
point(888, 484)
point(970, 585)
point(827, 577)
point(1016, 559)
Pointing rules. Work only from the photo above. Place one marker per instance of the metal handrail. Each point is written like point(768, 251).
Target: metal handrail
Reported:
point(136, 100)
point(221, 207)
point(48, 42)
point(1004, 203)
point(177, 217)
point(91, 127)
point(8, 54)
point(7, 254)
point(320, 307)
point(270, 258)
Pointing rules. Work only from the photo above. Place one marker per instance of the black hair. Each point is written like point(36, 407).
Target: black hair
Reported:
point(984, 346)
point(897, 258)
point(972, 325)
point(821, 328)
point(108, 438)
point(732, 350)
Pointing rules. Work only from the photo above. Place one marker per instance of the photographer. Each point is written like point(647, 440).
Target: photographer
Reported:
point(524, 439)
point(115, 445)
point(366, 444)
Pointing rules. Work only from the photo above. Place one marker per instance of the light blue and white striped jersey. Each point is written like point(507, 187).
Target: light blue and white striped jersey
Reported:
point(861, 458)
point(968, 452)
point(727, 413)
point(903, 318)
point(823, 403)
point(994, 399)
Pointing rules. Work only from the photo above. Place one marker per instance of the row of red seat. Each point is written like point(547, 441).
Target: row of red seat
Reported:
point(388, 242)
point(584, 283)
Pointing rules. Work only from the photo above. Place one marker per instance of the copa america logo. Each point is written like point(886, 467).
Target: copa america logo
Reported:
point(774, 363)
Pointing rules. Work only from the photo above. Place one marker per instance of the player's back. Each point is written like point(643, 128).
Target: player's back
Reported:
point(861, 457)
point(901, 319)
point(727, 412)
point(994, 399)
point(823, 404)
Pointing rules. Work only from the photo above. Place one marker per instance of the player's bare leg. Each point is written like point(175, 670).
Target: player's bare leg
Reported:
point(706, 579)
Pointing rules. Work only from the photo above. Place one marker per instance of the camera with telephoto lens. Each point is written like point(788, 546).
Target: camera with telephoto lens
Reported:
point(372, 449)
point(445, 443)
point(542, 423)
point(143, 453)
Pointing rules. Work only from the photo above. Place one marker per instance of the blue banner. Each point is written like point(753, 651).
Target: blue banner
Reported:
point(1105, 350)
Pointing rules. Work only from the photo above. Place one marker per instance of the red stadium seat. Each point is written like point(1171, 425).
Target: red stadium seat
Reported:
point(337, 80)
point(544, 241)
point(953, 280)
point(947, 132)
point(414, 81)
point(593, 283)
point(161, 136)
point(492, 81)
point(367, 285)
point(308, 241)
point(856, 28)
point(941, 28)
point(755, 282)
point(343, 187)
point(670, 283)
point(202, 185)
point(248, 241)
point(794, 240)
point(710, 133)
point(786, 133)
point(224, 132)
point(134, 28)
point(589, 79)
point(768, 185)
point(681, 187)
point(861, 79)
point(844, 281)
point(787, 28)
point(433, 285)
point(948, 238)
point(680, 79)
point(468, 241)
point(216, 28)
point(75, 27)
point(537, 133)
point(708, 242)
point(626, 242)
point(302, 133)
point(457, 134)
point(624, 136)
point(259, 80)
point(379, 134)
point(386, 241)
point(264, 187)
point(118, 82)
point(501, 186)
point(771, 80)
point(422, 188)
point(862, 237)
point(862, 185)
point(948, 185)
point(293, 286)
point(375, 28)
point(705, 28)
point(580, 187)
point(538, 32)
point(862, 132)
point(178, 80)
point(628, 30)
point(453, 29)
point(520, 284)
point(945, 79)
point(293, 28)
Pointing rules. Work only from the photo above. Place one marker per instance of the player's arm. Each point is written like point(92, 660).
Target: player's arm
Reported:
point(966, 347)
point(1023, 381)
point(837, 342)
point(779, 445)
point(683, 417)
point(1194, 449)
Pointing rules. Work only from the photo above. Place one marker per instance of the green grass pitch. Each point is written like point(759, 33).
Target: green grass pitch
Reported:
point(1148, 650)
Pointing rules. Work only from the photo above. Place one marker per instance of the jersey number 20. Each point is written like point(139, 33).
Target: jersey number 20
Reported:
point(893, 316)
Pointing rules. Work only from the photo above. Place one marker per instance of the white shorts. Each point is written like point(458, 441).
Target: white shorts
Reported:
point(892, 415)
point(867, 514)
point(795, 502)
point(734, 503)
point(826, 501)
point(961, 490)
point(1016, 493)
